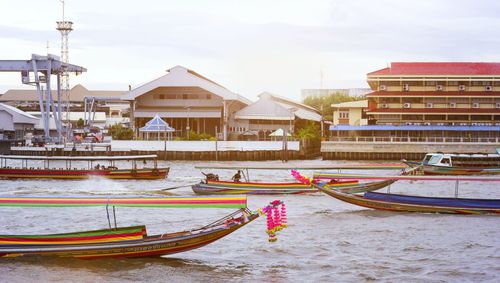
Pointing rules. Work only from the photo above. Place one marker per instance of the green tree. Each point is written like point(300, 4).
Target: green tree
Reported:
point(310, 131)
point(324, 103)
point(79, 123)
point(119, 132)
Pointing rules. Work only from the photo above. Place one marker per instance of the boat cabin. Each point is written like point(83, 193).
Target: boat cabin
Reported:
point(462, 160)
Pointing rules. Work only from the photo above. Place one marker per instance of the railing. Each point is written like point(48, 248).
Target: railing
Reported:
point(418, 139)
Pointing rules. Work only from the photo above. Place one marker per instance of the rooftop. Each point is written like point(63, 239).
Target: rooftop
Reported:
point(77, 93)
point(439, 68)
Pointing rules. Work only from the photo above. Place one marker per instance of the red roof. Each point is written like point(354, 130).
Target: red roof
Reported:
point(437, 110)
point(439, 68)
point(433, 93)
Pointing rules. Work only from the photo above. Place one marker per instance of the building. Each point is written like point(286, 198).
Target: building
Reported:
point(272, 112)
point(350, 113)
point(109, 101)
point(186, 101)
point(424, 100)
point(15, 123)
point(323, 92)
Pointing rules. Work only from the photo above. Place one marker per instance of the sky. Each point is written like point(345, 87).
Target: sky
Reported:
point(249, 46)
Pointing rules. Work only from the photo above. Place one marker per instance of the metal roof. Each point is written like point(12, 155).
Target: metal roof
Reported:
point(180, 76)
point(439, 68)
point(271, 107)
point(156, 125)
point(413, 128)
point(77, 93)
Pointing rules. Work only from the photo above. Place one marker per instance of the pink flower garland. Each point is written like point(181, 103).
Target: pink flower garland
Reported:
point(276, 218)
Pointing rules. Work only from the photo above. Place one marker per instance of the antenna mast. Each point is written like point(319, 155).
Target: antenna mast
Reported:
point(65, 27)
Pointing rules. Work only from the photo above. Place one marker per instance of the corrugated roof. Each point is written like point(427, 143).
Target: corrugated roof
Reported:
point(77, 94)
point(439, 68)
point(413, 128)
point(179, 76)
point(271, 107)
point(287, 101)
point(19, 116)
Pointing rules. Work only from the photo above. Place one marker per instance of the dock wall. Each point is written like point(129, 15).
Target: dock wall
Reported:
point(228, 155)
point(337, 150)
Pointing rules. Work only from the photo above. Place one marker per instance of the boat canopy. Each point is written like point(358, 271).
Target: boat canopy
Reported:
point(163, 202)
point(327, 175)
point(81, 158)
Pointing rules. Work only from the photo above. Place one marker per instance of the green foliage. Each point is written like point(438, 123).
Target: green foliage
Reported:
point(324, 103)
point(119, 132)
point(310, 131)
point(194, 136)
point(79, 123)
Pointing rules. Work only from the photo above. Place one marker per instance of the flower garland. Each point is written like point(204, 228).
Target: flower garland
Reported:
point(276, 218)
point(301, 178)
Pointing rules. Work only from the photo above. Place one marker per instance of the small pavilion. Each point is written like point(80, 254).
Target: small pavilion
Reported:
point(158, 128)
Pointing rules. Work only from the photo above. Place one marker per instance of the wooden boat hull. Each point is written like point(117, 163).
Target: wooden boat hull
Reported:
point(415, 204)
point(441, 170)
point(164, 244)
point(224, 188)
point(361, 187)
point(145, 173)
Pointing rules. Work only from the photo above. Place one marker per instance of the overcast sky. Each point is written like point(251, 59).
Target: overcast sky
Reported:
point(249, 46)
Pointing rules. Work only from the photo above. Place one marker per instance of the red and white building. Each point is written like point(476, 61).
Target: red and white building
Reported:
point(433, 99)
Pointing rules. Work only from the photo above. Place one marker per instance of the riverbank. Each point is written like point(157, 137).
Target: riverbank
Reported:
point(348, 150)
point(179, 150)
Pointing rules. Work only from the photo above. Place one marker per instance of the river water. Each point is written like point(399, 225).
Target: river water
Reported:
point(327, 240)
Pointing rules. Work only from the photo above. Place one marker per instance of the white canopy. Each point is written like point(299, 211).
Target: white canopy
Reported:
point(278, 133)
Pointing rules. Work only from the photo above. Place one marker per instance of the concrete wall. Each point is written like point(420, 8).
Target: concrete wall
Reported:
point(202, 145)
point(396, 151)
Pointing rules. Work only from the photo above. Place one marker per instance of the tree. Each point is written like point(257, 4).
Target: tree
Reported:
point(80, 123)
point(310, 131)
point(119, 132)
point(324, 103)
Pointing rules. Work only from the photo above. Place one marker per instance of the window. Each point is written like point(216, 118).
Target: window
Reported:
point(434, 159)
point(343, 115)
point(208, 96)
point(184, 96)
point(162, 96)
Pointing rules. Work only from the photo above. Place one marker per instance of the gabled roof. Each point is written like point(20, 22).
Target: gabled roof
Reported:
point(179, 76)
point(19, 116)
point(272, 107)
point(77, 93)
point(439, 68)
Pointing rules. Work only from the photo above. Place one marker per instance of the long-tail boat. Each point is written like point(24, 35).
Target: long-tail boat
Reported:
point(211, 187)
point(409, 203)
point(458, 164)
point(124, 241)
point(214, 186)
point(80, 167)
